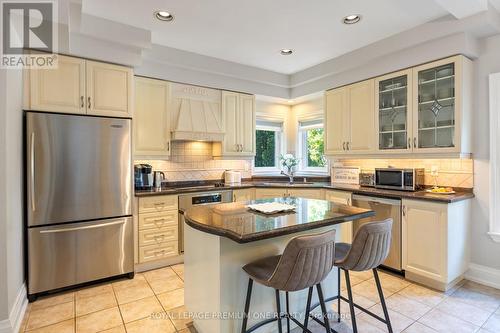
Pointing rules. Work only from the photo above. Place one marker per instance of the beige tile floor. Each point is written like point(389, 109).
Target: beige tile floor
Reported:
point(154, 302)
point(151, 302)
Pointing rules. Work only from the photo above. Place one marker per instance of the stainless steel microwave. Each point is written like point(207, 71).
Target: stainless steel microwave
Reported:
point(399, 179)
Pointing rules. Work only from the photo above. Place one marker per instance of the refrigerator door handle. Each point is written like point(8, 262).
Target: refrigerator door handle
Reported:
point(101, 225)
point(32, 170)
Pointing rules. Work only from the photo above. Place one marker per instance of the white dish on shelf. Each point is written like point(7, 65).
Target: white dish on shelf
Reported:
point(271, 207)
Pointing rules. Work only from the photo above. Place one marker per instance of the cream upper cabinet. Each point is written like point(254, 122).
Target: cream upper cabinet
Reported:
point(442, 106)
point(61, 89)
point(361, 118)
point(435, 241)
point(238, 114)
point(109, 89)
point(350, 119)
point(247, 124)
point(151, 118)
point(336, 121)
point(393, 118)
point(81, 86)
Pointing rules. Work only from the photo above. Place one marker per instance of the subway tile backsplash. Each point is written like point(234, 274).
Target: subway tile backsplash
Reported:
point(451, 172)
point(192, 160)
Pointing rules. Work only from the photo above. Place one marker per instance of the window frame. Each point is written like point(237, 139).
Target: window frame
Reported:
point(304, 126)
point(277, 127)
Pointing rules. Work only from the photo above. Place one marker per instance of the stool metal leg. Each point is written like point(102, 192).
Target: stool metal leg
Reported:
point(278, 308)
point(351, 301)
point(287, 313)
point(323, 308)
point(338, 293)
point(247, 306)
point(308, 307)
point(382, 300)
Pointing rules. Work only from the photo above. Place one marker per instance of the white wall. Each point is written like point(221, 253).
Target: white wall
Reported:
point(4, 309)
point(484, 250)
point(11, 195)
point(303, 111)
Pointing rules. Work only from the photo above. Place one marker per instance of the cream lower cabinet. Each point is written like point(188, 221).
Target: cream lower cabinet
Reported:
point(151, 118)
point(80, 86)
point(435, 241)
point(246, 194)
point(238, 116)
point(306, 193)
point(158, 234)
point(266, 193)
point(344, 198)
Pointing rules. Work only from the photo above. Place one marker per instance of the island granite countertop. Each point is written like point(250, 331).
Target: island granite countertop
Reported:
point(238, 223)
point(355, 189)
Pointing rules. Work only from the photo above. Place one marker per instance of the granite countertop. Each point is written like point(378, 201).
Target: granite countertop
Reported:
point(238, 223)
point(356, 189)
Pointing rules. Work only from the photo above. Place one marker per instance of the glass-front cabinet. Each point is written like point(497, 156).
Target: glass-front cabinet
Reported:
point(438, 113)
point(394, 106)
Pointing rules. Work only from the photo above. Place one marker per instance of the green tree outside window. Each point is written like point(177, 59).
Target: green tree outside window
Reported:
point(315, 148)
point(265, 144)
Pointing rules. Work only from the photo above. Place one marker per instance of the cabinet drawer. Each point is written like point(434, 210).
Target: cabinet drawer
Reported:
point(158, 204)
point(157, 220)
point(155, 252)
point(158, 237)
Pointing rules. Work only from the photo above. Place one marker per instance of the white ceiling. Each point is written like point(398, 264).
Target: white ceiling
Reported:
point(252, 32)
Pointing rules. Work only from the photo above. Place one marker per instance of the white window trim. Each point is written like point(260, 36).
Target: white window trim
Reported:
point(280, 147)
point(303, 168)
point(494, 157)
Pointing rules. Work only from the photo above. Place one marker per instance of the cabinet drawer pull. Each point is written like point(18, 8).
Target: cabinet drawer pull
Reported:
point(159, 204)
point(82, 100)
point(414, 142)
point(409, 143)
point(89, 105)
point(347, 145)
point(343, 146)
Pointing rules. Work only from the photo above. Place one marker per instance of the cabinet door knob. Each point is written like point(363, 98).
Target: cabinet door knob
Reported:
point(88, 102)
point(347, 145)
point(82, 101)
point(409, 143)
point(168, 146)
point(404, 210)
point(343, 145)
point(414, 142)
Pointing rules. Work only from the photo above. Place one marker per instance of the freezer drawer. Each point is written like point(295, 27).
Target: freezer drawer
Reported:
point(73, 253)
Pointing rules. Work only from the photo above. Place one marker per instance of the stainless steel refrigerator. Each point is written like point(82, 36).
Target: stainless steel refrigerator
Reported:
point(78, 199)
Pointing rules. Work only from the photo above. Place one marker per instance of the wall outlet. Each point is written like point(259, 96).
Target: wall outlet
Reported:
point(434, 170)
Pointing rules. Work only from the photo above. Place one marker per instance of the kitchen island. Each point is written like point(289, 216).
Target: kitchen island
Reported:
point(219, 240)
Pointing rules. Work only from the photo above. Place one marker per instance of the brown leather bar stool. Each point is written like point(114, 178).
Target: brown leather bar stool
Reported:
point(369, 249)
point(305, 263)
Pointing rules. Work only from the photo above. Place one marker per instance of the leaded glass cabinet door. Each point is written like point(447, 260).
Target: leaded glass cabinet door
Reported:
point(394, 106)
point(437, 87)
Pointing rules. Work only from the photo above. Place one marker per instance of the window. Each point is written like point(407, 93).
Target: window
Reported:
point(311, 146)
point(268, 146)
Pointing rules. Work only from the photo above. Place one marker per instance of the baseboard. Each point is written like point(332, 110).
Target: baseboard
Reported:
point(139, 268)
point(16, 315)
point(484, 275)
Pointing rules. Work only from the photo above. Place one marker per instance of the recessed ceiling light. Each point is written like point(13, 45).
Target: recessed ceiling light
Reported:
point(351, 19)
point(286, 51)
point(290, 101)
point(164, 16)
